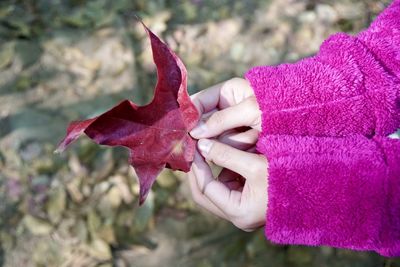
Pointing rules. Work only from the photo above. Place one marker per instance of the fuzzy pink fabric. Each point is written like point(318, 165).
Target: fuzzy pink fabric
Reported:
point(334, 176)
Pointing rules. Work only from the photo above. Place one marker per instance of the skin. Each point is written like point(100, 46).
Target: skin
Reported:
point(227, 133)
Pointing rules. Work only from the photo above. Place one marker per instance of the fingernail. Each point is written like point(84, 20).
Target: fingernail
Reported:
point(200, 130)
point(204, 146)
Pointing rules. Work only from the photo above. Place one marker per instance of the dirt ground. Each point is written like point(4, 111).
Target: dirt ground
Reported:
point(66, 60)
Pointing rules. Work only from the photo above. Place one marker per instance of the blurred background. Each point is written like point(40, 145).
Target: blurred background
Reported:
point(64, 60)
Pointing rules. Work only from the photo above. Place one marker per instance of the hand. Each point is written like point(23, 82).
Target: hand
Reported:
point(225, 107)
point(244, 203)
point(240, 192)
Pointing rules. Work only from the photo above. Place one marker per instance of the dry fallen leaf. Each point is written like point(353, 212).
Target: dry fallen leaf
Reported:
point(156, 134)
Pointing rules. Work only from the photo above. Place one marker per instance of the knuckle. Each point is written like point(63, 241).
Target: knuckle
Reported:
point(252, 100)
point(221, 155)
point(236, 214)
point(236, 80)
point(230, 84)
point(261, 167)
point(241, 224)
point(232, 214)
point(216, 119)
point(253, 113)
point(257, 168)
point(252, 104)
point(245, 222)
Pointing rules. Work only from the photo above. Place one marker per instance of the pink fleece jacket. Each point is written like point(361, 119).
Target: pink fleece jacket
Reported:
point(334, 175)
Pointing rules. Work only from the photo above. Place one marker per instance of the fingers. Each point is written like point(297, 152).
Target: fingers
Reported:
point(207, 99)
point(242, 141)
point(225, 199)
point(202, 171)
point(200, 199)
point(246, 113)
point(199, 176)
point(244, 207)
point(221, 197)
point(234, 91)
point(244, 163)
point(222, 95)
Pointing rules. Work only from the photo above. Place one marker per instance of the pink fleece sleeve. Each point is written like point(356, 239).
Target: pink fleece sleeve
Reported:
point(334, 176)
point(351, 86)
point(341, 192)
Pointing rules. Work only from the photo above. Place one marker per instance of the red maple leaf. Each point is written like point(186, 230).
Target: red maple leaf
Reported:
point(156, 134)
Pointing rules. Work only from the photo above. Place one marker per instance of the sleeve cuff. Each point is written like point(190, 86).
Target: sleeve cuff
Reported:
point(332, 191)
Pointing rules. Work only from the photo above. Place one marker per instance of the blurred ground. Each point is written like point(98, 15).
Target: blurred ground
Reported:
point(65, 60)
